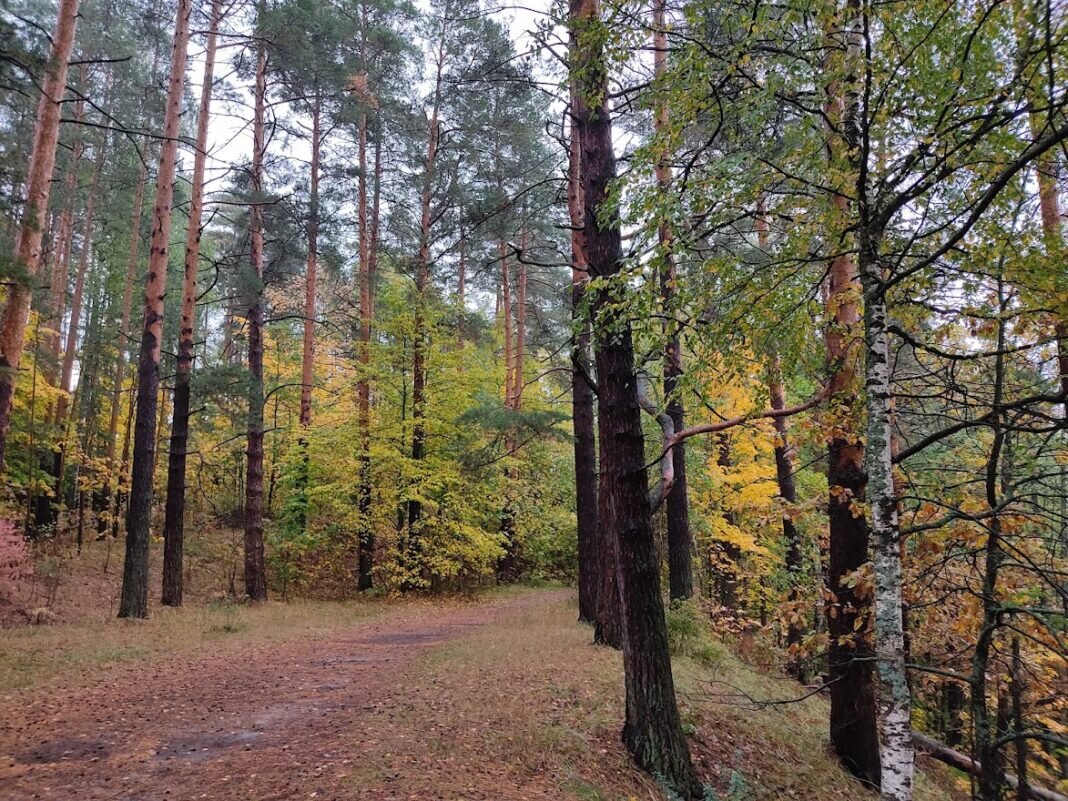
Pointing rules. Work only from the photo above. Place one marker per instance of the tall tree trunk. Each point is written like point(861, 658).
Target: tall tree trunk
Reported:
point(854, 734)
point(376, 209)
point(897, 757)
point(581, 390)
point(70, 348)
point(520, 330)
point(134, 601)
point(308, 355)
point(997, 483)
point(123, 349)
point(366, 543)
point(255, 568)
point(307, 373)
point(506, 308)
point(679, 539)
point(653, 731)
point(784, 475)
point(60, 275)
point(31, 228)
point(421, 342)
point(174, 515)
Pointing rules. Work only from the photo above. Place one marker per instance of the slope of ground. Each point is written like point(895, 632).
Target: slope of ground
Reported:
point(500, 698)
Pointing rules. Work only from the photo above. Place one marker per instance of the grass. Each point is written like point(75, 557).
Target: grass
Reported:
point(71, 652)
point(528, 706)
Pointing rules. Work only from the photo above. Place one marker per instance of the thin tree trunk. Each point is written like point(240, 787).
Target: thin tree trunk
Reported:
point(123, 350)
point(70, 348)
point(174, 515)
point(1018, 721)
point(728, 570)
point(653, 731)
point(581, 391)
point(784, 474)
point(308, 355)
point(139, 511)
point(60, 276)
point(506, 308)
point(376, 207)
point(679, 539)
point(255, 568)
point(984, 731)
point(31, 228)
point(366, 543)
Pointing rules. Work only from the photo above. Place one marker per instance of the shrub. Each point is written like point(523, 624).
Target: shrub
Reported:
point(16, 563)
point(689, 633)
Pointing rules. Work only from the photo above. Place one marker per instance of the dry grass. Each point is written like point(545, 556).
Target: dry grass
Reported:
point(73, 653)
point(527, 703)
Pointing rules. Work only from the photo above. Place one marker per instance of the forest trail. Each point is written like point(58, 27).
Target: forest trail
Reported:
point(274, 721)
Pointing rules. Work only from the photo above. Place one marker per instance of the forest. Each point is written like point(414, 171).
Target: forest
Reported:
point(696, 370)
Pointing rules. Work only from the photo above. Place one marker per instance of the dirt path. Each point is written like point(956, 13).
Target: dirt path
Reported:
point(271, 722)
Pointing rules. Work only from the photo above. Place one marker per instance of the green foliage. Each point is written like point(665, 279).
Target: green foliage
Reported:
point(690, 633)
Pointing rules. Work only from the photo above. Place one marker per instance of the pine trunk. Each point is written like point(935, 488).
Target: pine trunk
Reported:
point(174, 515)
point(653, 731)
point(366, 545)
point(677, 504)
point(134, 601)
point(582, 397)
point(421, 336)
point(31, 228)
point(255, 568)
point(123, 350)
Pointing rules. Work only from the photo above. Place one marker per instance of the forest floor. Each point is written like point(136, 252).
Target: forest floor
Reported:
point(501, 697)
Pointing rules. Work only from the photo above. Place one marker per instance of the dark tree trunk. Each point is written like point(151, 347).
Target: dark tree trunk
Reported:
point(413, 546)
point(255, 568)
point(307, 373)
point(784, 474)
point(174, 514)
point(850, 656)
point(652, 731)
point(366, 544)
point(679, 538)
point(139, 509)
point(582, 396)
point(727, 569)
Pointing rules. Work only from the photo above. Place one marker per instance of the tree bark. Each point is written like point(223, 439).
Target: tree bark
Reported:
point(255, 568)
point(31, 228)
point(897, 758)
point(854, 734)
point(677, 505)
point(123, 350)
point(421, 336)
point(70, 347)
point(60, 275)
point(310, 275)
point(366, 544)
point(784, 474)
point(652, 731)
point(174, 515)
point(582, 396)
point(134, 601)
